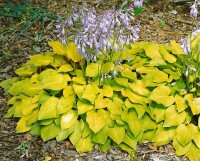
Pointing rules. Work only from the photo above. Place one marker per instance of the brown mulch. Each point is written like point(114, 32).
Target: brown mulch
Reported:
point(160, 23)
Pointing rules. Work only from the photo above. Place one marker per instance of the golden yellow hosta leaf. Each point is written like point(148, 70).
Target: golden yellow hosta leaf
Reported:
point(93, 70)
point(76, 135)
point(65, 68)
point(106, 67)
point(181, 150)
point(84, 107)
point(33, 117)
point(90, 93)
point(26, 70)
point(107, 91)
point(185, 134)
point(151, 49)
point(72, 52)
point(65, 133)
point(79, 80)
point(167, 56)
point(65, 104)
point(129, 74)
point(49, 131)
point(78, 89)
point(105, 147)
point(164, 135)
point(101, 102)
point(42, 59)
point(67, 91)
point(195, 105)
point(22, 126)
point(134, 123)
point(194, 153)
point(58, 47)
point(196, 139)
point(84, 144)
point(117, 134)
point(160, 77)
point(173, 118)
point(176, 48)
point(101, 136)
point(180, 103)
point(68, 119)
point(130, 141)
point(139, 88)
point(96, 119)
point(48, 109)
point(161, 95)
point(148, 123)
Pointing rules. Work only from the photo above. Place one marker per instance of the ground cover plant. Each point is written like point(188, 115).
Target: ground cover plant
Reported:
point(121, 97)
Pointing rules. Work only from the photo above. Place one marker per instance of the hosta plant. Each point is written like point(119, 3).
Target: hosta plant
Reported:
point(131, 96)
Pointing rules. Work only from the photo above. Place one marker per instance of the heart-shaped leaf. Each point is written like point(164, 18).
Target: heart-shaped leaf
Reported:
point(194, 153)
point(50, 131)
point(68, 119)
point(101, 136)
point(58, 47)
point(48, 109)
point(42, 59)
point(84, 107)
point(84, 144)
point(65, 68)
point(181, 150)
point(21, 126)
point(96, 119)
point(93, 70)
point(161, 95)
point(117, 134)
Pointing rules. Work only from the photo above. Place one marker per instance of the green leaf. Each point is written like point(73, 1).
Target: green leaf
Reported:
point(164, 135)
point(181, 150)
point(59, 60)
point(39, 59)
point(50, 131)
point(58, 47)
point(6, 84)
point(159, 112)
point(90, 93)
point(65, 133)
point(65, 68)
point(96, 119)
point(68, 119)
point(78, 89)
point(185, 134)
point(157, 62)
point(84, 107)
point(161, 95)
point(117, 134)
point(127, 148)
point(101, 136)
point(115, 107)
point(92, 70)
point(137, 11)
point(173, 118)
point(21, 126)
point(134, 123)
point(36, 129)
point(48, 109)
point(84, 144)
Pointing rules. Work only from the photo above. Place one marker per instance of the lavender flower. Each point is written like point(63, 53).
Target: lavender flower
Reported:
point(185, 45)
point(194, 11)
point(138, 3)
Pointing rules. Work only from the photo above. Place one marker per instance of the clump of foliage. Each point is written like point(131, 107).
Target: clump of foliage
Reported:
point(130, 96)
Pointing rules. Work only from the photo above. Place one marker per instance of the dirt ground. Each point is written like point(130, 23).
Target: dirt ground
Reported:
point(161, 21)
